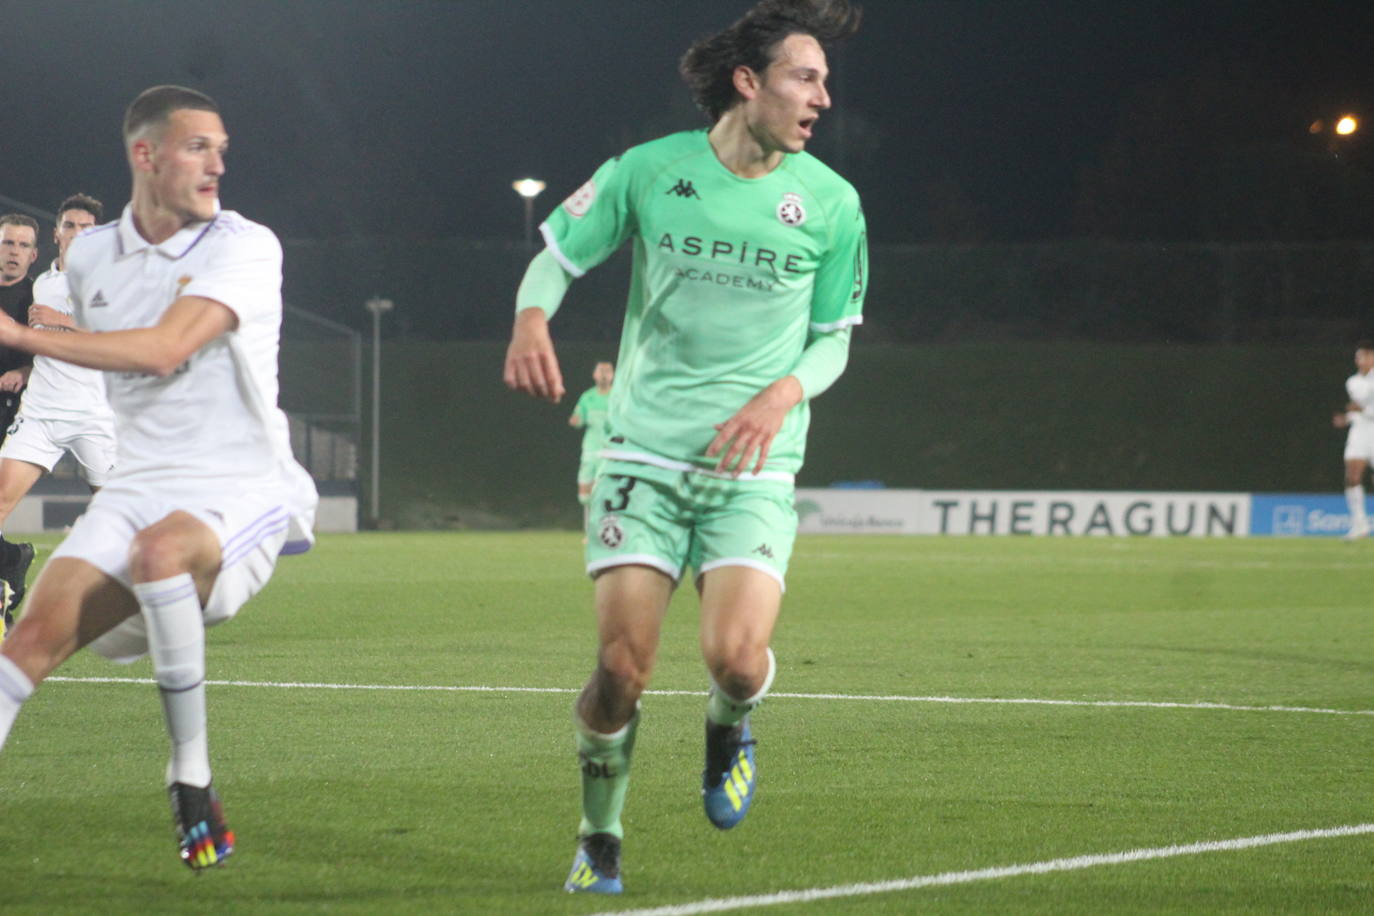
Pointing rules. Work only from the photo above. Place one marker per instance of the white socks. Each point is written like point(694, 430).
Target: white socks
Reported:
point(176, 642)
point(15, 688)
point(1354, 498)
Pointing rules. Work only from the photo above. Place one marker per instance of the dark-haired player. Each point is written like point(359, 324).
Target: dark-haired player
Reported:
point(205, 493)
point(749, 272)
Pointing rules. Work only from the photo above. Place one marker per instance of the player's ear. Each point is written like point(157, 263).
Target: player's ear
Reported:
point(746, 81)
point(141, 154)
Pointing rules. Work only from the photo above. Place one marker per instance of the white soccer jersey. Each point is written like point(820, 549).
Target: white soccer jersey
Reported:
point(212, 426)
point(1361, 391)
point(59, 390)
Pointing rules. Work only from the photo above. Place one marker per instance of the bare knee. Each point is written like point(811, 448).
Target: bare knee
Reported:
point(624, 669)
point(738, 668)
point(157, 555)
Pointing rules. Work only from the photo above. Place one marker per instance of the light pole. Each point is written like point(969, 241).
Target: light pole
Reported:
point(529, 189)
point(377, 307)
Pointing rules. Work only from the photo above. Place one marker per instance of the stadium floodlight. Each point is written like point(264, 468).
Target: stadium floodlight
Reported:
point(1347, 125)
point(377, 306)
point(529, 189)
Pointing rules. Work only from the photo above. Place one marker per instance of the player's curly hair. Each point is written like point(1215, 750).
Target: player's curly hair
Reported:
point(709, 64)
point(82, 202)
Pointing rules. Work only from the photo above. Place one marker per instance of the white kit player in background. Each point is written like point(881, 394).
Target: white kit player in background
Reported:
point(63, 409)
point(205, 493)
point(1359, 442)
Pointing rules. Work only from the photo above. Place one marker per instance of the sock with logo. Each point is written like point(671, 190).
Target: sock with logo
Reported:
point(176, 641)
point(15, 688)
point(605, 761)
point(1354, 498)
point(722, 709)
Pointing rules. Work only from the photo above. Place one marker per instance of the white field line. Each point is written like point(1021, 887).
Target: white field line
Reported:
point(997, 701)
point(1075, 863)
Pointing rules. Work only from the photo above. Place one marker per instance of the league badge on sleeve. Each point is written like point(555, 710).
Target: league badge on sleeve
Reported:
point(790, 211)
point(581, 200)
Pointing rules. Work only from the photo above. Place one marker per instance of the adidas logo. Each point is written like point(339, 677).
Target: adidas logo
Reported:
point(99, 301)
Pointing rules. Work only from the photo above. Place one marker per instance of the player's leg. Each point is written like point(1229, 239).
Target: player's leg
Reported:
point(744, 543)
point(28, 451)
point(173, 564)
point(73, 604)
point(1354, 496)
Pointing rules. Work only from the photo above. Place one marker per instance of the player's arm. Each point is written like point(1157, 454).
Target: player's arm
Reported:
point(531, 363)
point(15, 379)
point(188, 324)
point(755, 425)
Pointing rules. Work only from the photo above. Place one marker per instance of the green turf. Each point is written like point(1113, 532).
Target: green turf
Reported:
point(356, 801)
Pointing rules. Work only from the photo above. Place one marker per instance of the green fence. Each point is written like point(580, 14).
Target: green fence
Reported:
point(459, 450)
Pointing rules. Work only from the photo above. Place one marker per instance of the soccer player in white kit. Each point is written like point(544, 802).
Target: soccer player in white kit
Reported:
point(205, 492)
point(63, 408)
point(1358, 417)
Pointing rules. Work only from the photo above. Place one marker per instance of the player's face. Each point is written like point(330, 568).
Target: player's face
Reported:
point(18, 251)
point(603, 375)
point(790, 96)
point(186, 163)
point(70, 224)
point(1364, 360)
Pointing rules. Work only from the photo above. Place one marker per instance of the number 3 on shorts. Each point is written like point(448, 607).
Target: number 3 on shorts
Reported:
point(623, 492)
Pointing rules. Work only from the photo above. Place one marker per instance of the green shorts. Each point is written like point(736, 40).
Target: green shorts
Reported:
point(670, 520)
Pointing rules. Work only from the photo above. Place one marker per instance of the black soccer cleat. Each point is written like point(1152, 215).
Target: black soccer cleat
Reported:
point(14, 569)
point(199, 819)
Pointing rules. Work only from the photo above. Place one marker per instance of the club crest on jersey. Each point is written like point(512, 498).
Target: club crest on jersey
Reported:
point(581, 200)
point(610, 533)
point(790, 211)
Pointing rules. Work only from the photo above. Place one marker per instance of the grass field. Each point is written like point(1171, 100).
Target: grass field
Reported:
point(899, 743)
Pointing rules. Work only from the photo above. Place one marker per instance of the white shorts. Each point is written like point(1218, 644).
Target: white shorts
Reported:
point(251, 533)
point(1359, 443)
point(42, 442)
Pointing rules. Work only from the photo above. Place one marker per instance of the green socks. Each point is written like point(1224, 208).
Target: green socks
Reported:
point(605, 762)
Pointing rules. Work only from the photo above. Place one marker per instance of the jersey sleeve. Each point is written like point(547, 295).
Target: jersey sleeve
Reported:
point(591, 224)
point(244, 275)
point(837, 298)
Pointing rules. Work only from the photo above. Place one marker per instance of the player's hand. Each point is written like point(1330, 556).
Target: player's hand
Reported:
point(1340, 420)
point(10, 330)
point(14, 380)
point(531, 363)
point(751, 430)
point(47, 316)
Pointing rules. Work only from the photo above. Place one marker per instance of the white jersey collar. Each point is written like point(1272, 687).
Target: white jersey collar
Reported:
point(173, 248)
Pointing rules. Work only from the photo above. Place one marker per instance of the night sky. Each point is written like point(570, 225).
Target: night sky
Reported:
point(960, 120)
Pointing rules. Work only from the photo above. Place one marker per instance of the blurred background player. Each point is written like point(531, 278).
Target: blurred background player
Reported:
point(590, 416)
point(205, 495)
point(18, 252)
point(1358, 417)
point(63, 409)
point(749, 273)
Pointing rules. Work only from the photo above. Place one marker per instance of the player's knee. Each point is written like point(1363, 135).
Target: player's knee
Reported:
point(624, 669)
point(157, 555)
point(740, 670)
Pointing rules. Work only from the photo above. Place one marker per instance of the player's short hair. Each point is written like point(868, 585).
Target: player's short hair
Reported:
point(82, 202)
point(154, 106)
point(709, 64)
point(1365, 344)
point(20, 219)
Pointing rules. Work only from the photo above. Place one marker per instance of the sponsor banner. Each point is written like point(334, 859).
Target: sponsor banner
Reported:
point(845, 511)
point(1300, 515)
point(1085, 513)
point(1041, 512)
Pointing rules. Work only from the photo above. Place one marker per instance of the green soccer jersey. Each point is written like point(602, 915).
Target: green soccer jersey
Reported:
point(730, 277)
point(591, 411)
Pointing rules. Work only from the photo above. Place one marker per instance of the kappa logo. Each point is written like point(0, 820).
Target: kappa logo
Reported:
point(763, 550)
point(790, 210)
point(99, 301)
point(683, 188)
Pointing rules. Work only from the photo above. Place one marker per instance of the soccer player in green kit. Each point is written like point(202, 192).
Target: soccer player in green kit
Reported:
point(589, 415)
point(749, 269)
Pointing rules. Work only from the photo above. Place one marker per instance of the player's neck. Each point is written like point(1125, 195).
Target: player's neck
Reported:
point(153, 221)
point(738, 149)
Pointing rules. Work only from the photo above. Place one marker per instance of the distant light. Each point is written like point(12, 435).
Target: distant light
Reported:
point(1347, 126)
point(528, 188)
point(1316, 126)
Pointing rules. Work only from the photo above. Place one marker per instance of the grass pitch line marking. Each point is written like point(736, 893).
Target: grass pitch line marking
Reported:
point(944, 879)
point(996, 701)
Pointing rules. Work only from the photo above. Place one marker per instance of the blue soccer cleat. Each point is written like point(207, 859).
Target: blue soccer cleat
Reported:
point(596, 869)
point(202, 838)
point(731, 775)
